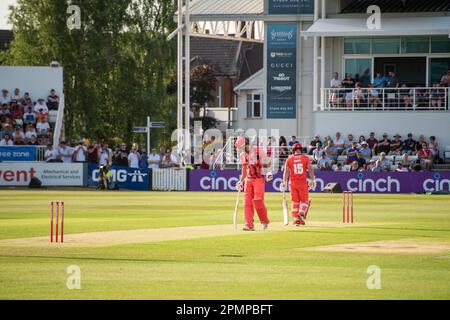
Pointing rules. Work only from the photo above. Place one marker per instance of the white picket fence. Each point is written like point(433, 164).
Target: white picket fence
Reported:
point(169, 179)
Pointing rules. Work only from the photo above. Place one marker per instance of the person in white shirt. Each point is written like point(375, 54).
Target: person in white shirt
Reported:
point(41, 107)
point(154, 160)
point(30, 131)
point(50, 155)
point(133, 159)
point(339, 143)
point(104, 155)
point(65, 152)
point(336, 95)
point(16, 96)
point(80, 152)
point(4, 98)
point(6, 141)
point(42, 127)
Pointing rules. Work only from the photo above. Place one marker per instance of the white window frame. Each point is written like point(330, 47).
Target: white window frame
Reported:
point(253, 100)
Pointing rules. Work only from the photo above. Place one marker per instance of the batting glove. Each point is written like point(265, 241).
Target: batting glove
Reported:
point(239, 186)
point(282, 187)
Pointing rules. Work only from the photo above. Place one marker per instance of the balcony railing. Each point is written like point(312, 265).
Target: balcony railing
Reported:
point(386, 99)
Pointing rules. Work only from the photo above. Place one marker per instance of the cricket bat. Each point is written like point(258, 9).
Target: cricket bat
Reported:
point(285, 210)
point(236, 208)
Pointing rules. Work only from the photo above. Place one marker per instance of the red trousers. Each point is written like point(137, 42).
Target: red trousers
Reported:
point(299, 198)
point(254, 200)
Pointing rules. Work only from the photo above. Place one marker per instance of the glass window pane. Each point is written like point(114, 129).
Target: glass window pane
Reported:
point(249, 109)
point(361, 69)
point(438, 68)
point(415, 44)
point(440, 44)
point(385, 45)
point(257, 109)
point(357, 45)
point(257, 97)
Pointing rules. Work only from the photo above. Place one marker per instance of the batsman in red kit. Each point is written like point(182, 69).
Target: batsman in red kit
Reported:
point(296, 167)
point(253, 178)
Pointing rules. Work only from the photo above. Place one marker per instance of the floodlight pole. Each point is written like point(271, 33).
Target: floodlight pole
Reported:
point(187, 77)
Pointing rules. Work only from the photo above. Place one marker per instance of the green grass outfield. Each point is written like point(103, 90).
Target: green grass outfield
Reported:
point(282, 263)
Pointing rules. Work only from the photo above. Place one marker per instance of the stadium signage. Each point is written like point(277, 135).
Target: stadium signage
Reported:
point(18, 154)
point(290, 7)
point(126, 178)
point(281, 70)
point(51, 174)
point(360, 182)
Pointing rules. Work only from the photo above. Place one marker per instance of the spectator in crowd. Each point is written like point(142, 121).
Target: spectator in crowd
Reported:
point(433, 147)
point(406, 97)
point(65, 152)
point(53, 100)
point(317, 153)
point(123, 159)
point(406, 163)
point(154, 160)
point(374, 96)
point(409, 145)
point(377, 167)
point(361, 139)
point(17, 113)
point(445, 80)
point(420, 143)
point(5, 98)
point(51, 155)
point(338, 167)
point(349, 142)
point(348, 82)
point(359, 96)
point(167, 160)
point(41, 108)
point(352, 153)
point(379, 81)
point(365, 152)
point(26, 100)
point(93, 152)
point(392, 80)
point(19, 141)
point(437, 96)
point(396, 146)
point(7, 129)
point(331, 152)
point(337, 94)
point(425, 156)
point(80, 153)
point(29, 117)
point(30, 131)
point(324, 163)
point(143, 159)
point(313, 144)
point(372, 141)
point(339, 143)
point(383, 145)
point(116, 157)
point(133, 158)
point(43, 127)
point(105, 155)
point(400, 168)
point(284, 151)
point(354, 166)
point(33, 141)
point(384, 163)
point(6, 141)
point(292, 141)
point(16, 98)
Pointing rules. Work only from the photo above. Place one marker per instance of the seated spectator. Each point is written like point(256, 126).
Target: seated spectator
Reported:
point(6, 141)
point(167, 160)
point(349, 142)
point(33, 141)
point(18, 133)
point(379, 81)
point(352, 153)
point(372, 141)
point(384, 163)
point(29, 132)
point(313, 144)
point(383, 145)
point(154, 160)
point(365, 152)
point(338, 167)
point(133, 158)
point(400, 168)
point(53, 100)
point(396, 146)
point(374, 97)
point(5, 98)
point(425, 156)
point(7, 130)
point(339, 143)
point(419, 144)
point(409, 145)
point(433, 147)
point(317, 153)
point(51, 155)
point(406, 163)
point(445, 80)
point(80, 153)
point(29, 117)
point(336, 95)
point(361, 139)
point(377, 167)
point(42, 127)
point(41, 108)
point(348, 82)
point(19, 141)
point(359, 96)
point(354, 166)
point(65, 152)
point(26, 100)
point(16, 98)
point(331, 152)
point(437, 96)
point(17, 113)
point(293, 141)
point(406, 97)
point(324, 163)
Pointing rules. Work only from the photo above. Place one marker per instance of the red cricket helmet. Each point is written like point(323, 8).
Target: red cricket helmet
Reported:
point(297, 146)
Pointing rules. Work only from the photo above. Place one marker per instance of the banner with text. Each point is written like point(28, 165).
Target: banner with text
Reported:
point(359, 182)
point(19, 154)
point(126, 178)
point(18, 174)
point(290, 7)
point(281, 70)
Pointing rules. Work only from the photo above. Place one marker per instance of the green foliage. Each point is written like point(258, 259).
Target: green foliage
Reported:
point(116, 67)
